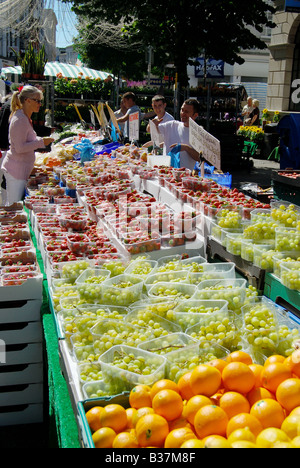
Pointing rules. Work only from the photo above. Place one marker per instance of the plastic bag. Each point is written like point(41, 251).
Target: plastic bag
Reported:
point(86, 150)
point(175, 156)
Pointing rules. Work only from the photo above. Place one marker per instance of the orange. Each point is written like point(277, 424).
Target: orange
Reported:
point(210, 420)
point(114, 416)
point(239, 356)
point(215, 441)
point(140, 396)
point(234, 403)
point(257, 370)
point(104, 437)
point(179, 422)
point(141, 412)
point(273, 374)
point(193, 405)
point(152, 430)
point(288, 394)
point(259, 393)
point(184, 386)
point(125, 440)
point(168, 404)
point(218, 363)
point(238, 377)
point(244, 420)
point(293, 362)
point(192, 443)
point(130, 415)
point(205, 380)
point(93, 418)
point(274, 358)
point(269, 412)
point(178, 436)
point(162, 385)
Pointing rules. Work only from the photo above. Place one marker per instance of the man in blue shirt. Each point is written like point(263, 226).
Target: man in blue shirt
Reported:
point(129, 100)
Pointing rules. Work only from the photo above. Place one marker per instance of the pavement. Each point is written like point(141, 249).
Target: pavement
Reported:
point(260, 174)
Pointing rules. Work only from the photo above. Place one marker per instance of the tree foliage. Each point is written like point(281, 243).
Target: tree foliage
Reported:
point(182, 29)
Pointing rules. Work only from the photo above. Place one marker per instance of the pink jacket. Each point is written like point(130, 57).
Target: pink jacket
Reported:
point(20, 158)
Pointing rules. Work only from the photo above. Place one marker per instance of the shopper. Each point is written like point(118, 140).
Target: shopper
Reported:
point(176, 133)
point(4, 143)
point(254, 116)
point(19, 160)
point(248, 108)
point(129, 100)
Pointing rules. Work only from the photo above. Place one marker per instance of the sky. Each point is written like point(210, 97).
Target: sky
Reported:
point(66, 27)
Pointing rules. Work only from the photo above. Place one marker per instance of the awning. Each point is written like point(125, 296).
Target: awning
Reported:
point(67, 70)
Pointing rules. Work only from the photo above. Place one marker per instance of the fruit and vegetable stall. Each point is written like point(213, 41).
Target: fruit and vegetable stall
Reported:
point(155, 306)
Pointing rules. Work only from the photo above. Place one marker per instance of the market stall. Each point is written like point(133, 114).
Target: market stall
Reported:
point(140, 274)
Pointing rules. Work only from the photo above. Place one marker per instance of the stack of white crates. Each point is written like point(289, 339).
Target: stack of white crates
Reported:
point(21, 350)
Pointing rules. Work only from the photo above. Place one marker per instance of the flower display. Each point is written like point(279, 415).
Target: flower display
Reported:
point(276, 117)
point(265, 114)
point(253, 133)
point(86, 87)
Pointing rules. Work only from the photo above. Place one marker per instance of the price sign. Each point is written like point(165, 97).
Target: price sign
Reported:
point(204, 142)
point(134, 126)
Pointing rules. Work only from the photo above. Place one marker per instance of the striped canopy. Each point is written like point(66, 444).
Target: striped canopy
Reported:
point(54, 68)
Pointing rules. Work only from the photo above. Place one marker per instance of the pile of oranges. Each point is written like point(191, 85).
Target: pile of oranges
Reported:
point(232, 403)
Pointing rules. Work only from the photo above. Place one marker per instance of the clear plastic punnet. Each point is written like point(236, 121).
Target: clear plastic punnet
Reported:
point(231, 290)
point(89, 284)
point(166, 344)
point(260, 326)
point(213, 271)
point(172, 290)
point(181, 361)
point(122, 290)
point(180, 276)
point(290, 275)
point(127, 366)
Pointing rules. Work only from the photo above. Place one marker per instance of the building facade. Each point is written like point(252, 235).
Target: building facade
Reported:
point(284, 64)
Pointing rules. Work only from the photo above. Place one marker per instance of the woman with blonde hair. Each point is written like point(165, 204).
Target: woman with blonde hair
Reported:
point(20, 158)
point(254, 116)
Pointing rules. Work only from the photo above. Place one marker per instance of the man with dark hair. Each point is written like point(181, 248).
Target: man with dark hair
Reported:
point(129, 100)
point(159, 105)
point(176, 133)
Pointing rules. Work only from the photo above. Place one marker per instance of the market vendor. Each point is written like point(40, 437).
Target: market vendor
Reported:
point(20, 158)
point(176, 133)
point(129, 101)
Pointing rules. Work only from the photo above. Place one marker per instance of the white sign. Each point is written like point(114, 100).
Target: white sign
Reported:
point(134, 126)
point(204, 142)
point(156, 137)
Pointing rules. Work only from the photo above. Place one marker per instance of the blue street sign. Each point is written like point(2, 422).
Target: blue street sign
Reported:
point(292, 6)
point(214, 68)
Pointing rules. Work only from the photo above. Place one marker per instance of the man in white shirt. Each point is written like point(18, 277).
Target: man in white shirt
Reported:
point(248, 108)
point(177, 133)
point(159, 105)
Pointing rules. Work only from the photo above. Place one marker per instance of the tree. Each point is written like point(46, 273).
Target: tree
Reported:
point(182, 29)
